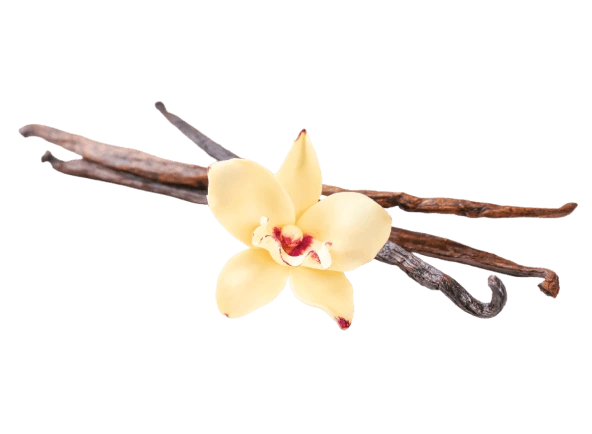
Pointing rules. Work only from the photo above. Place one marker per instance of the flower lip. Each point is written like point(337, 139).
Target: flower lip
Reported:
point(289, 246)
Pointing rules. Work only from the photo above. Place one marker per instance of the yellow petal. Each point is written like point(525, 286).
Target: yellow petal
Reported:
point(240, 192)
point(300, 174)
point(249, 280)
point(328, 290)
point(355, 225)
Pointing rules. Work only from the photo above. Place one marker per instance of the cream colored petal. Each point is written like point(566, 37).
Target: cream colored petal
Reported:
point(300, 174)
point(249, 280)
point(240, 192)
point(328, 290)
point(355, 225)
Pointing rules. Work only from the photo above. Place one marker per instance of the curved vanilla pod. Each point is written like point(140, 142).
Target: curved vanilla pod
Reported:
point(448, 250)
point(432, 278)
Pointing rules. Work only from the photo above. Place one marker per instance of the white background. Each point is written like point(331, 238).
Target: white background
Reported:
point(108, 319)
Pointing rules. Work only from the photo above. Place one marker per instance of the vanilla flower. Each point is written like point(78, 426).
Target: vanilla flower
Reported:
point(291, 234)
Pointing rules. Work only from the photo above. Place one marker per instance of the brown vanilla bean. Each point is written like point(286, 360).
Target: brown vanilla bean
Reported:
point(172, 172)
point(465, 208)
point(125, 159)
point(88, 169)
point(430, 277)
point(211, 148)
point(448, 250)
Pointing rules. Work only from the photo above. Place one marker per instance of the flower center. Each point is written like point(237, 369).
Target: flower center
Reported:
point(288, 245)
point(290, 236)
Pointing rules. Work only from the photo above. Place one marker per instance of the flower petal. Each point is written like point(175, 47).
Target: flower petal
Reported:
point(355, 225)
point(300, 174)
point(249, 280)
point(240, 192)
point(328, 290)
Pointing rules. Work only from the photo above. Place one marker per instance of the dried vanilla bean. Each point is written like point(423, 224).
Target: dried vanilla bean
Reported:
point(432, 278)
point(172, 172)
point(125, 159)
point(211, 148)
point(88, 169)
point(464, 208)
point(448, 250)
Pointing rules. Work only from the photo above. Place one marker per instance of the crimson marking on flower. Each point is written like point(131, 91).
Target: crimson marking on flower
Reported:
point(343, 323)
point(277, 232)
point(315, 257)
point(300, 248)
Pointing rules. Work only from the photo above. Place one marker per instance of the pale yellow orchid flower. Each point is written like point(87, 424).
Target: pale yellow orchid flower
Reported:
point(291, 234)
